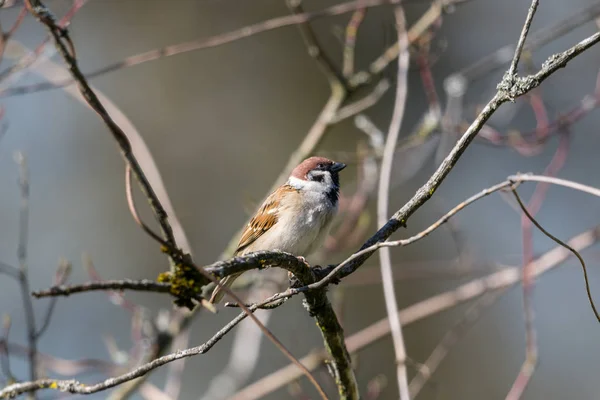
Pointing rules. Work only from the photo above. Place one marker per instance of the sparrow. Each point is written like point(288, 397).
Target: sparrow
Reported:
point(296, 217)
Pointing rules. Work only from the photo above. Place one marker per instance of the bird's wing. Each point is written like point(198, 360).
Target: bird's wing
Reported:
point(264, 219)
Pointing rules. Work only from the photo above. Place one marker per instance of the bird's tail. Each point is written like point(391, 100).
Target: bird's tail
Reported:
point(218, 293)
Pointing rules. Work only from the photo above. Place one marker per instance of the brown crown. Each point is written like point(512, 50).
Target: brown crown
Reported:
point(307, 165)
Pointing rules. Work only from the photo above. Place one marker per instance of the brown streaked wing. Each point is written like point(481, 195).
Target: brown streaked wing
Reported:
point(264, 219)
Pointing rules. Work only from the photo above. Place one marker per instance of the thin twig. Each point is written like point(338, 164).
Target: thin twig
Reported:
point(555, 181)
point(350, 42)
point(387, 276)
point(62, 274)
point(571, 249)
point(512, 70)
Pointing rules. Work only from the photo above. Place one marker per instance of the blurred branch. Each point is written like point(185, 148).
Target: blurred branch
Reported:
point(358, 80)
point(5, 350)
point(468, 319)
point(473, 289)
point(9, 270)
point(314, 48)
point(62, 273)
point(377, 67)
point(5, 36)
point(383, 194)
point(350, 42)
point(23, 268)
point(361, 105)
point(213, 41)
point(27, 60)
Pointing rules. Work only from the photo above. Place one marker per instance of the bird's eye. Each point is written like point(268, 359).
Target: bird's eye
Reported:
point(320, 165)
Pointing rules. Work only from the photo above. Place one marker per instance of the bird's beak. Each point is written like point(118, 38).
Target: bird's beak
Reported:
point(337, 166)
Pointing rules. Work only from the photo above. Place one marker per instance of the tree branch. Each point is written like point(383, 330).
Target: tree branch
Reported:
point(387, 275)
point(124, 284)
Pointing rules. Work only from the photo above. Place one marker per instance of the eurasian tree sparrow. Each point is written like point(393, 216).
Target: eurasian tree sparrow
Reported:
point(296, 217)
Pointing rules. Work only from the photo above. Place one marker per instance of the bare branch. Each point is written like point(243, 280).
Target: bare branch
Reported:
point(124, 284)
point(387, 276)
point(555, 181)
point(512, 70)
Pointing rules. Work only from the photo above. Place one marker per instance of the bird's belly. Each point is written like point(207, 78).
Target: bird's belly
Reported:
point(300, 236)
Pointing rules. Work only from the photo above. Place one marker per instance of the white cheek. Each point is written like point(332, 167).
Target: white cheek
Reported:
point(312, 186)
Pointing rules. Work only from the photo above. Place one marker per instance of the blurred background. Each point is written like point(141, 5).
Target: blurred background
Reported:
point(221, 124)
